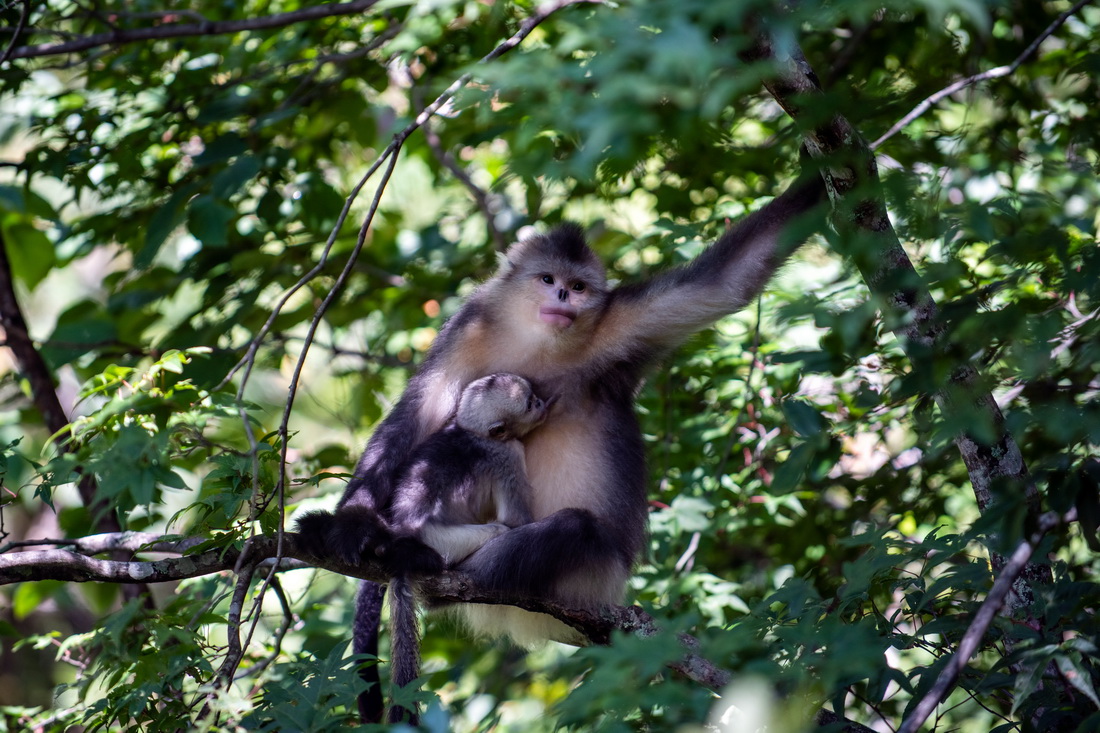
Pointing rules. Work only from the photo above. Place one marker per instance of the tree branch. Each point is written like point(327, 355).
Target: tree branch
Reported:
point(995, 73)
point(988, 611)
point(30, 362)
point(481, 198)
point(451, 586)
point(114, 541)
point(19, 26)
point(207, 28)
point(38, 375)
point(852, 177)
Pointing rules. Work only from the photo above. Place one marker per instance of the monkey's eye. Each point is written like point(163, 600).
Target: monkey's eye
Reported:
point(530, 400)
point(548, 279)
point(578, 287)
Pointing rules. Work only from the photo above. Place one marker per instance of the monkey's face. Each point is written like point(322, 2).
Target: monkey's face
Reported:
point(559, 285)
point(561, 298)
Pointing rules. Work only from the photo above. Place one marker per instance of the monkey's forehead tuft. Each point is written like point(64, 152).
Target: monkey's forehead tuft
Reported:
point(564, 243)
point(568, 241)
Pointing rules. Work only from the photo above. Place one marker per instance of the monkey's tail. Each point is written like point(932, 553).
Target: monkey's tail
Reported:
point(368, 612)
point(405, 637)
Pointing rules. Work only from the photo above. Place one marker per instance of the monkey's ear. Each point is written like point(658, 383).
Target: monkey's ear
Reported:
point(515, 253)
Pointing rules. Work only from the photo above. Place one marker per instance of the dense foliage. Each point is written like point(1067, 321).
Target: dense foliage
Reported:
point(164, 202)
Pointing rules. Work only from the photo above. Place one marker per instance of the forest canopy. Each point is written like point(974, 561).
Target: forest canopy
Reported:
point(229, 233)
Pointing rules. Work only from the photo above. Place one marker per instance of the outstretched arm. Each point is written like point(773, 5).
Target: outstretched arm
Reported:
point(659, 314)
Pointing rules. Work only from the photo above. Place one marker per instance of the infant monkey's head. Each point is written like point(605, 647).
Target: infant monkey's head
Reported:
point(501, 407)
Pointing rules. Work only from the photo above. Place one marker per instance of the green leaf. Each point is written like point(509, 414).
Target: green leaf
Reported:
point(29, 250)
point(234, 177)
point(789, 473)
point(29, 596)
point(1077, 674)
point(167, 217)
point(210, 220)
point(803, 417)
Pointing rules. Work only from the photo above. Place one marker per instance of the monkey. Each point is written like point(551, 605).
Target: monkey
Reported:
point(549, 315)
point(462, 486)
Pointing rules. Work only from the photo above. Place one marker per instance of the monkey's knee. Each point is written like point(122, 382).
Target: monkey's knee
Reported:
point(578, 524)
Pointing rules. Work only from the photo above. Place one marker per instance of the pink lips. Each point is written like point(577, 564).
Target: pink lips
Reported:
point(561, 317)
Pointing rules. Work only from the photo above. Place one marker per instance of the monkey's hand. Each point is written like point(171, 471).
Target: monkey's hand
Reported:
point(409, 556)
point(350, 535)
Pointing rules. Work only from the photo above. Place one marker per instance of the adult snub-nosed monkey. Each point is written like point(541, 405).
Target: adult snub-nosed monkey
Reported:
point(549, 315)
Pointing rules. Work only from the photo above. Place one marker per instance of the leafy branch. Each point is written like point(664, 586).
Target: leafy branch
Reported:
point(988, 611)
point(860, 214)
point(994, 73)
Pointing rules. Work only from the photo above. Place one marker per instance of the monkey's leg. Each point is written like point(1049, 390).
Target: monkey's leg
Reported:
point(571, 557)
point(457, 541)
point(571, 545)
point(368, 613)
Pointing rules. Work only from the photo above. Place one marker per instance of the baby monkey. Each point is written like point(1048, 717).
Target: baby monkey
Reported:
point(463, 486)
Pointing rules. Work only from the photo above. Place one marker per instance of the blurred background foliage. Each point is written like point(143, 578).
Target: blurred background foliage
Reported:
point(812, 522)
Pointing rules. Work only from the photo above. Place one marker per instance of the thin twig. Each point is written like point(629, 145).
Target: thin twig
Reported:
point(113, 541)
point(284, 433)
point(18, 31)
point(177, 30)
point(995, 73)
point(235, 651)
point(481, 198)
point(988, 611)
point(280, 633)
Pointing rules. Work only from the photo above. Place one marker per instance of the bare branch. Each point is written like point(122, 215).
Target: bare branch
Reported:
point(995, 73)
point(28, 358)
point(114, 541)
point(235, 651)
point(18, 31)
point(38, 374)
point(978, 627)
point(69, 566)
point(451, 586)
point(481, 198)
point(207, 28)
point(279, 634)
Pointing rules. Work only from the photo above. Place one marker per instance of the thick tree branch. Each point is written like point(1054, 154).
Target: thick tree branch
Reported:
point(986, 613)
point(452, 586)
point(30, 362)
point(852, 176)
point(205, 28)
point(38, 376)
